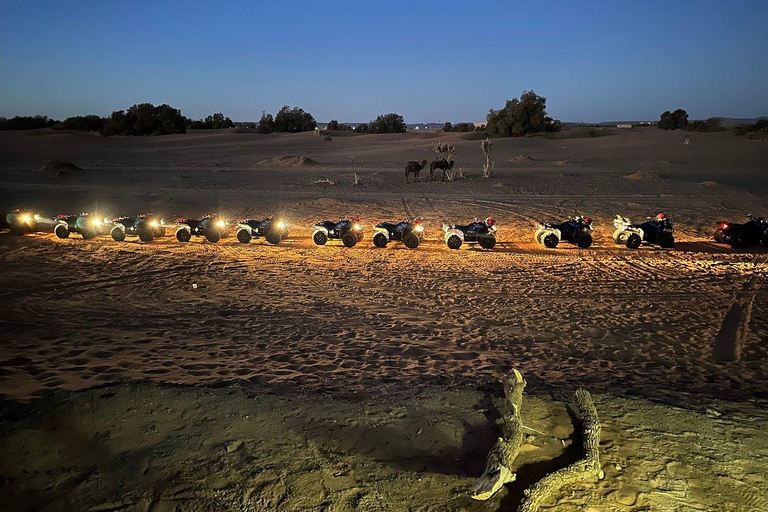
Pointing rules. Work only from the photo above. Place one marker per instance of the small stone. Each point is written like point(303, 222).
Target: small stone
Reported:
point(234, 446)
point(618, 467)
point(714, 413)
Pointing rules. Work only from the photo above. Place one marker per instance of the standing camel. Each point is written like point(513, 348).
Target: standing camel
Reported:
point(440, 163)
point(414, 167)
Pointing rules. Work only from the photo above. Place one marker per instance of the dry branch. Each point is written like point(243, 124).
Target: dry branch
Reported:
point(500, 459)
point(587, 468)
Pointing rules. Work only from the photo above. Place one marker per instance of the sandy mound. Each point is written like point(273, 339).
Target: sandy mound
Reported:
point(58, 167)
point(288, 161)
point(522, 157)
point(643, 176)
point(474, 136)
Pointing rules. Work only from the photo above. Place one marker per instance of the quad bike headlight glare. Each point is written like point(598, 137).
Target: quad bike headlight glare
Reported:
point(96, 222)
point(36, 217)
point(154, 224)
point(281, 225)
point(358, 227)
point(26, 218)
point(221, 224)
point(419, 228)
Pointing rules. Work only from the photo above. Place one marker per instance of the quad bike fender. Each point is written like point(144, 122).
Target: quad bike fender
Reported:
point(246, 227)
point(638, 231)
point(183, 226)
point(320, 228)
point(453, 231)
point(622, 222)
point(381, 230)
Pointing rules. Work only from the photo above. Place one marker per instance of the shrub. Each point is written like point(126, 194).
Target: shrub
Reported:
point(388, 123)
point(146, 119)
point(521, 117)
point(266, 124)
point(26, 123)
point(216, 121)
point(361, 128)
point(294, 120)
point(91, 123)
point(673, 120)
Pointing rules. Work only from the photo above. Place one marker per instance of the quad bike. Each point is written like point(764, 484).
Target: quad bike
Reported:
point(348, 230)
point(655, 230)
point(482, 232)
point(20, 222)
point(146, 226)
point(752, 232)
point(86, 224)
point(410, 232)
point(212, 227)
point(272, 229)
point(576, 230)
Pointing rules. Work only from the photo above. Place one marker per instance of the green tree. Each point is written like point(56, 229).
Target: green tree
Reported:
point(388, 123)
point(521, 117)
point(673, 120)
point(294, 120)
point(333, 125)
point(266, 124)
point(361, 128)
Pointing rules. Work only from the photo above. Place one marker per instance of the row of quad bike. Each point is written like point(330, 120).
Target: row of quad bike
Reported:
point(577, 230)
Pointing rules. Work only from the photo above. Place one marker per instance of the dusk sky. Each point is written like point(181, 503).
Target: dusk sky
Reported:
point(429, 61)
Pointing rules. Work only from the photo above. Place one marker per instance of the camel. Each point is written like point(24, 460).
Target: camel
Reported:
point(414, 167)
point(440, 163)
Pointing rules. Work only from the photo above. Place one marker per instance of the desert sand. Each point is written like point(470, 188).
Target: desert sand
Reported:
point(95, 332)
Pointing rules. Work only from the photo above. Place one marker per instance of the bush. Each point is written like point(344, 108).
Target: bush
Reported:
point(266, 124)
point(388, 123)
point(713, 124)
point(146, 119)
point(361, 128)
point(294, 120)
point(214, 122)
point(521, 117)
point(91, 123)
point(758, 131)
point(461, 127)
point(26, 123)
point(673, 120)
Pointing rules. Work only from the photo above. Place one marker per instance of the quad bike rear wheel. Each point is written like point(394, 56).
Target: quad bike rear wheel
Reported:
point(62, 231)
point(213, 236)
point(411, 241)
point(16, 230)
point(243, 236)
point(117, 234)
point(584, 240)
point(88, 234)
point(183, 235)
point(537, 236)
point(487, 242)
point(633, 241)
point(349, 239)
point(380, 240)
point(666, 240)
point(320, 238)
point(551, 241)
point(273, 236)
point(453, 242)
point(719, 236)
point(145, 235)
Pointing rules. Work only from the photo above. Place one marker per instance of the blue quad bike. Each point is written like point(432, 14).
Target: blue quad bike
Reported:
point(482, 232)
point(576, 230)
point(410, 232)
point(19, 222)
point(211, 227)
point(274, 230)
point(145, 226)
point(87, 225)
point(752, 232)
point(348, 230)
point(655, 231)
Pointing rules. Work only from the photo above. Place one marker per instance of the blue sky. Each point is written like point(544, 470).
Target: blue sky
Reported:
point(429, 61)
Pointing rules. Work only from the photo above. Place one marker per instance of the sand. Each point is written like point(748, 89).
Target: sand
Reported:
point(635, 327)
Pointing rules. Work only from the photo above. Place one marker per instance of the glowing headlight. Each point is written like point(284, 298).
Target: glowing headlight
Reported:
point(281, 225)
point(37, 217)
point(154, 224)
point(96, 222)
point(419, 229)
point(221, 224)
point(357, 227)
point(26, 218)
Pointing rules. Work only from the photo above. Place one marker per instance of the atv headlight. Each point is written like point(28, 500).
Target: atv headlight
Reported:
point(357, 227)
point(281, 225)
point(96, 222)
point(419, 228)
point(37, 217)
point(154, 224)
point(26, 219)
point(221, 224)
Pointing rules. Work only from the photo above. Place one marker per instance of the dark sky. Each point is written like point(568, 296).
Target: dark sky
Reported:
point(429, 61)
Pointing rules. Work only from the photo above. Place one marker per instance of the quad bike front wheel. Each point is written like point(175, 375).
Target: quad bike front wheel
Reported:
point(243, 236)
point(145, 235)
point(183, 235)
point(633, 241)
point(273, 237)
point(537, 236)
point(88, 234)
point(584, 240)
point(380, 240)
point(720, 236)
point(319, 238)
point(453, 242)
point(551, 241)
point(117, 234)
point(349, 239)
point(61, 231)
point(411, 241)
point(666, 240)
point(212, 236)
point(487, 242)
point(16, 230)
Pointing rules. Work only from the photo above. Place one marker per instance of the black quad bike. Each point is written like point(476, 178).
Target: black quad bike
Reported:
point(146, 226)
point(348, 230)
point(480, 231)
point(274, 230)
point(655, 230)
point(752, 232)
point(410, 232)
point(88, 225)
point(19, 222)
point(212, 227)
point(576, 230)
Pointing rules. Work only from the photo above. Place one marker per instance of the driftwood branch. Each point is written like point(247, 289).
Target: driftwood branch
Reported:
point(499, 462)
point(587, 468)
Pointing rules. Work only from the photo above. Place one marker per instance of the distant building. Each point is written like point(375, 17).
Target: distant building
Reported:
point(480, 124)
point(623, 126)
